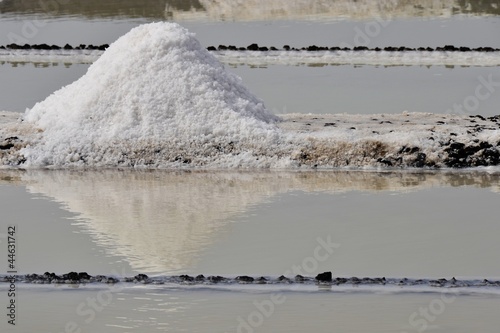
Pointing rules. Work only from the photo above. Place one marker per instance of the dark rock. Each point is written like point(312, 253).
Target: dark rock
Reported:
point(487, 49)
point(32, 276)
point(222, 47)
point(355, 280)
point(73, 276)
point(485, 145)
point(253, 47)
point(216, 279)
point(44, 47)
point(244, 278)
point(112, 280)
point(141, 277)
point(232, 48)
point(491, 156)
point(461, 156)
point(329, 124)
point(419, 162)
point(211, 48)
point(262, 280)
point(6, 146)
point(457, 146)
point(103, 47)
point(100, 278)
point(263, 48)
point(402, 49)
point(48, 275)
point(272, 48)
point(360, 48)
point(84, 276)
point(324, 277)
point(55, 47)
point(340, 280)
point(14, 46)
point(286, 47)
point(200, 278)
point(68, 47)
point(186, 278)
point(408, 150)
point(299, 278)
point(384, 161)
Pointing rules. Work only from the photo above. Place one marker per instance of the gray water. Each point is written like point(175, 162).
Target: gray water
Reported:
point(394, 224)
point(300, 89)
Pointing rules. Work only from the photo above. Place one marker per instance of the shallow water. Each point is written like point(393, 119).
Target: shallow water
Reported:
point(300, 89)
point(140, 309)
point(126, 222)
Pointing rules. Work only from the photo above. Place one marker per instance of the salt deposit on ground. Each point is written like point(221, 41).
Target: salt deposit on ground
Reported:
point(291, 58)
point(378, 58)
point(156, 98)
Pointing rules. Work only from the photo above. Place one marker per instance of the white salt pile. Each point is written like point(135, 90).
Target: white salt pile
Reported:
point(155, 97)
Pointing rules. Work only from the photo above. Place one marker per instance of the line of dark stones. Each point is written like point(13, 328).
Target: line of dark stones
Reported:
point(323, 278)
point(256, 47)
point(53, 47)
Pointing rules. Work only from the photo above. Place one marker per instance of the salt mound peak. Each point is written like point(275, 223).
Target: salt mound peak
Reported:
point(155, 86)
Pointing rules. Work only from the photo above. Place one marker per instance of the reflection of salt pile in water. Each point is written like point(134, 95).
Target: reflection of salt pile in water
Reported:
point(155, 96)
point(165, 221)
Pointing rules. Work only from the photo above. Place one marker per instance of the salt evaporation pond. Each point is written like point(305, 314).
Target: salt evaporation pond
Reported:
point(157, 98)
point(430, 225)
